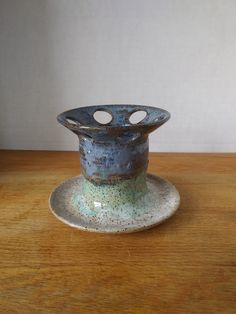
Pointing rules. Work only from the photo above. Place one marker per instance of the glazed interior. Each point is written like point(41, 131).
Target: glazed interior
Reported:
point(84, 117)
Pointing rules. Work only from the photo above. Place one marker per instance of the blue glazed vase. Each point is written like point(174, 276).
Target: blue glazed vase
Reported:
point(114, 192)
point(117, 150)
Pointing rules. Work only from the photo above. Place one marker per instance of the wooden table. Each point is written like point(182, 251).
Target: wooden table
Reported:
point(185, 265)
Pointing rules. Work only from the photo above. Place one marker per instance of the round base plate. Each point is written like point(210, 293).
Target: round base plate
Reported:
point(161, 202)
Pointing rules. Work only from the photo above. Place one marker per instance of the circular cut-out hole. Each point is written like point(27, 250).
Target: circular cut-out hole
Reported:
point(102, 117)
point(71, 121)
point(137, 116)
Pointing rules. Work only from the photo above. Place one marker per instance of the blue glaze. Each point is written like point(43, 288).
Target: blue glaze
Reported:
point(117, 150)
point(112, 160)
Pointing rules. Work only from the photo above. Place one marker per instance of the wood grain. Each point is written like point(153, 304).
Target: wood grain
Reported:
point(185, 265)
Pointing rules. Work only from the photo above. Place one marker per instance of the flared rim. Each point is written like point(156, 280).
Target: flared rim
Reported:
point(83, 117)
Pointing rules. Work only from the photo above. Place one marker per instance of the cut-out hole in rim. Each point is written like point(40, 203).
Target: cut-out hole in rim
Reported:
point(102, 117)
point(137, 116)
point(71, 121)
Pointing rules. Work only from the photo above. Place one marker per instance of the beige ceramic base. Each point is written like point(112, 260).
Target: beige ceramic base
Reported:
point(160, 203)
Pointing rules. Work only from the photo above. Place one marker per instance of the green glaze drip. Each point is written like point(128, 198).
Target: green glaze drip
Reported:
point(117, 197)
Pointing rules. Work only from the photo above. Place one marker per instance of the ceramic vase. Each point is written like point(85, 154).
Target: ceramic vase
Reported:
point(114, 193)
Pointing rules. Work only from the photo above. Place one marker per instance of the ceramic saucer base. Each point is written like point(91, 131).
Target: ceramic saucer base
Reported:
point(160, 203)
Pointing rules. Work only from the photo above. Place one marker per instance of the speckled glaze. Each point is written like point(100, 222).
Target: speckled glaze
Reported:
point(114, 193)
point(158, 204)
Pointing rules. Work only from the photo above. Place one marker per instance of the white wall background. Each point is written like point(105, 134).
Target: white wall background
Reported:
point(176, 54)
